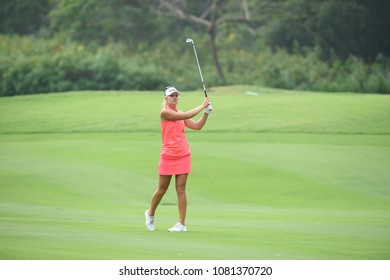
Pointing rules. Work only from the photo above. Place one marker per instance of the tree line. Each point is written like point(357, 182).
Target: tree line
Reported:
point(337, 31)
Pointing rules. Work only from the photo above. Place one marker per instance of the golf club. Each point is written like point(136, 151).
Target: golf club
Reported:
point(189, 40)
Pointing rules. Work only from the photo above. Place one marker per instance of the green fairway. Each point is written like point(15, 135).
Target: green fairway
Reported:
point(276, 175)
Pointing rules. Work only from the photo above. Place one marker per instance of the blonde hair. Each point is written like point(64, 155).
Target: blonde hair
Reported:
point(164, 103)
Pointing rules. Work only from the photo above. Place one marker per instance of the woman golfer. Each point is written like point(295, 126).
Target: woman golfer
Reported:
point(175, 154)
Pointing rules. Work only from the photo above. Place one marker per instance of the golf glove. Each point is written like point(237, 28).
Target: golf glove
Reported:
point(208, 109)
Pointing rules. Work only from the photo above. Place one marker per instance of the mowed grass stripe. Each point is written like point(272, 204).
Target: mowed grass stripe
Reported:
point(213, 208)
point(235, 111)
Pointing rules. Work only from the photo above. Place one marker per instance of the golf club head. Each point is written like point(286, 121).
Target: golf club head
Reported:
point(189, 40)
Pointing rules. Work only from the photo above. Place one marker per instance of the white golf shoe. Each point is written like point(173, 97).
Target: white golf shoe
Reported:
point(178, 228)
point(149, 221)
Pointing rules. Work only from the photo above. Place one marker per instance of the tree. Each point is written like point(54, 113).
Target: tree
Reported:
point(212, 15)
point(101, 21)
point(23, 17)
point(359, 27)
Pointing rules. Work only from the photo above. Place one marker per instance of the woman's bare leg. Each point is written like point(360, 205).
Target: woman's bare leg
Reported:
point(181, 182)
point(163, 184)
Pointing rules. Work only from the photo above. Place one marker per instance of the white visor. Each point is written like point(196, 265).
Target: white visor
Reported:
point(171, 90)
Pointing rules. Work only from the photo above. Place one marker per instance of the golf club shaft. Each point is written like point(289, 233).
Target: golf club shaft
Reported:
point(200, 71)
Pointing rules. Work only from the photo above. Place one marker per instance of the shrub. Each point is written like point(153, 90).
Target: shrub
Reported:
point(29, 65)
point(305, 70)
point(41, 66)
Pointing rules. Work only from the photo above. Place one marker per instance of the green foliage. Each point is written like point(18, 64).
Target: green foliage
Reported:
point(305, 70)
point(38, 66)
point(30, 65)
point(347, 27)
point(122, 45)
point(23, 17)
point(102, 22)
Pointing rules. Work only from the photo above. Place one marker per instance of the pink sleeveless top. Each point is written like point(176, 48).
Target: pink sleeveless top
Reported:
point(174, 141)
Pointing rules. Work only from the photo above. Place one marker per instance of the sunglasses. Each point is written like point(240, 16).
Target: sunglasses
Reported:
point(173, 95)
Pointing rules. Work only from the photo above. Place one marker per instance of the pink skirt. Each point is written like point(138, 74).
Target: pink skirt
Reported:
point(174, 166)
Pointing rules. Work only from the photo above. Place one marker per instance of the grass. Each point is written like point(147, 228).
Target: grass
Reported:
point(276, 175)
